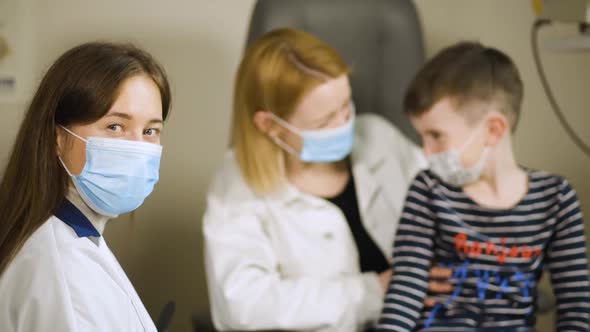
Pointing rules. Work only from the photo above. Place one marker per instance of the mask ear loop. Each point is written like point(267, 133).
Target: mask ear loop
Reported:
point(469, 140)
point(483, 158)
point(279, 141)
point(59, 157)
point(65, 167)
point(74, 134)
point(484, 155)
point(285, 124)
point(285, 147)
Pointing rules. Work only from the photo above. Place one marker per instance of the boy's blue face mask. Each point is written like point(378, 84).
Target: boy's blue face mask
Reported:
point(323, 145)
point(118, 175)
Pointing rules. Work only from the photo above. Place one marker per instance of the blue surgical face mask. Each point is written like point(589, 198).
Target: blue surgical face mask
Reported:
point(118, 175)
point(323, 145)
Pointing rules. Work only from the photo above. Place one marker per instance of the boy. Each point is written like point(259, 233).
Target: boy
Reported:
point(477, 211)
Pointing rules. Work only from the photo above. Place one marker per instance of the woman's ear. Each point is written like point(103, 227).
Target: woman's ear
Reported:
point(264, 122)
point(498, 127)
point(60, 140)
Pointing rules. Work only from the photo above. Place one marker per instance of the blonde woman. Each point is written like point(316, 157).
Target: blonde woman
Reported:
point(301, 216)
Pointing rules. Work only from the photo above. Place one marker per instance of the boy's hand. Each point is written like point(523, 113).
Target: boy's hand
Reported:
point(436, 285)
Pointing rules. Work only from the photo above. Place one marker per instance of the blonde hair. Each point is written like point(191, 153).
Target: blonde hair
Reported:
point(277, 71)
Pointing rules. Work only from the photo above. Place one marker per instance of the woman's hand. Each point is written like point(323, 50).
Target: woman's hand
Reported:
point(437, 284)
point(384, 279)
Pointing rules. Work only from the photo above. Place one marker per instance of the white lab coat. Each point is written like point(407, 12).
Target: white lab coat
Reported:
point(60, 281)
point(288, 261)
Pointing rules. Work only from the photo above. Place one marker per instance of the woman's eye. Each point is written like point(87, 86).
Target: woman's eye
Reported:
point(115, 127)
point(151, 132)
point(435, 136)
point(324, 124)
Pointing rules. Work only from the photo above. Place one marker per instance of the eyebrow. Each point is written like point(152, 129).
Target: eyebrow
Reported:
point(129, 117)
point(434, 132)
point(327, 118)
point(332, 114)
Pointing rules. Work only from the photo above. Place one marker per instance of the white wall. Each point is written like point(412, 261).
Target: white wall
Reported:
point(199, 42)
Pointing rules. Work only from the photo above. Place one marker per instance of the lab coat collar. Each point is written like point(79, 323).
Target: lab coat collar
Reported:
point(365, 163)
point(98, 221)
point(73, 217)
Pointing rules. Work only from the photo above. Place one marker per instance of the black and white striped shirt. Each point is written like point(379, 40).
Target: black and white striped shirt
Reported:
point(497, 257)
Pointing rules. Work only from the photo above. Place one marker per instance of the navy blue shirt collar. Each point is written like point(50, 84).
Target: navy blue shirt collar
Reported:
point(73, 217)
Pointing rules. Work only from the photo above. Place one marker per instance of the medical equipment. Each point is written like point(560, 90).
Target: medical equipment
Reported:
point(565, 11)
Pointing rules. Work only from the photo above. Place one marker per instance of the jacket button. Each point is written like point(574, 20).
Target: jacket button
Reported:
point(328, 236)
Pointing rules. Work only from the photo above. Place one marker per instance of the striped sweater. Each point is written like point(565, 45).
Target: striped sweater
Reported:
point(497, 257)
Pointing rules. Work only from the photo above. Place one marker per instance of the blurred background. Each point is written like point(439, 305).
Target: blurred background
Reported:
point(200, 43)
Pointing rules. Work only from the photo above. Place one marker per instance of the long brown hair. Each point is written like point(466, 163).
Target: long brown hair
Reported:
point(79, 88)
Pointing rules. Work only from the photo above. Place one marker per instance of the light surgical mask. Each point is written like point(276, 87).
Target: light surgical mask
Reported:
point(448, 166)
point(118, 175)
point(323, 145)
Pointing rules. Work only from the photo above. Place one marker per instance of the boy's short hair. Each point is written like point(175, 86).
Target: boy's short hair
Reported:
point(467, 72)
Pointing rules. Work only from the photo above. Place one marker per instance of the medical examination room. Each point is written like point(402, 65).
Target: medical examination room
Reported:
point(294, 165)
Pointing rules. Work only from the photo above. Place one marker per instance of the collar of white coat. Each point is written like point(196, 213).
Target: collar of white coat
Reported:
point(365, 162)
point(80, 217)
point(73, 217)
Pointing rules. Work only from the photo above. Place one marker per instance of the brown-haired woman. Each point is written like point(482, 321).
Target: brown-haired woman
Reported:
point(88, 149)
point(301, 216)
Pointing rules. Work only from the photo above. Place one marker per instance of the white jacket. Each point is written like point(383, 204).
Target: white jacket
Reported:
point(288, 261)
point(64, 279)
